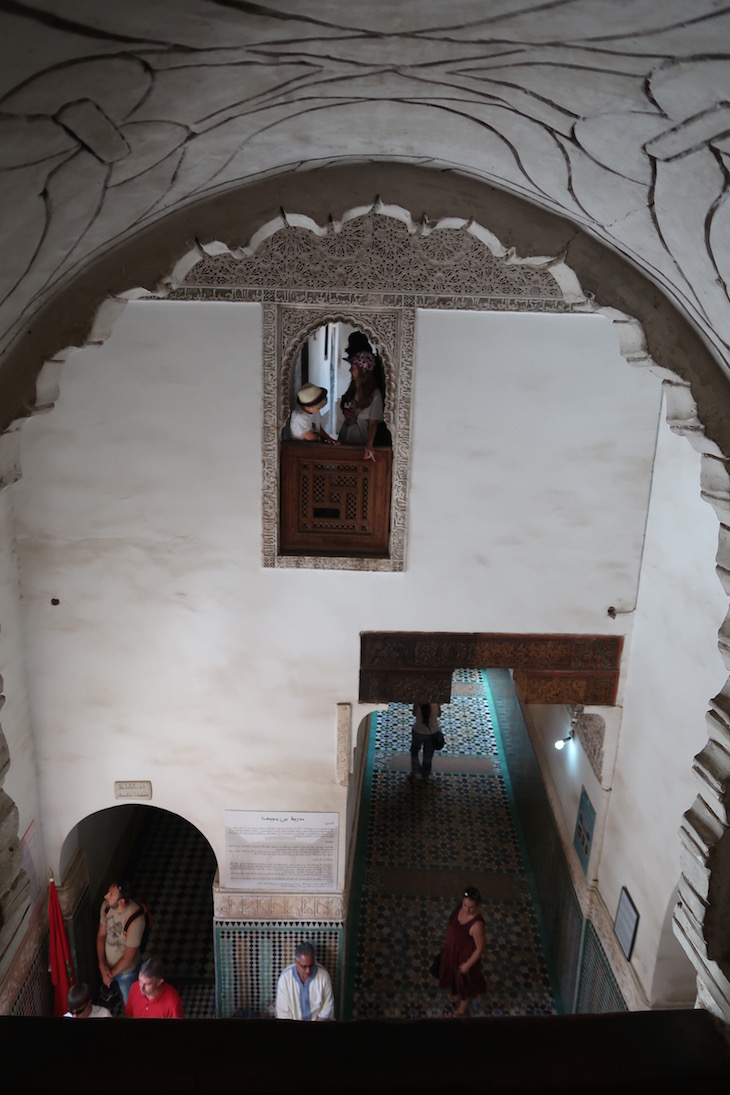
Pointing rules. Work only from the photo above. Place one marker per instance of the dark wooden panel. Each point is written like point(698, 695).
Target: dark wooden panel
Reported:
point(403, 667)
point(559, 686)
point(332, 501)
point(405, 686)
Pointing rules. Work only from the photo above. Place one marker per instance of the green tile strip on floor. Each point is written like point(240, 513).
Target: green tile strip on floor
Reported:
point(356, 884)
point(523, 846)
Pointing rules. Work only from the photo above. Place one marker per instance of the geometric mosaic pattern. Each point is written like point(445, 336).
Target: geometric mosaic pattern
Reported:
point(425, 843)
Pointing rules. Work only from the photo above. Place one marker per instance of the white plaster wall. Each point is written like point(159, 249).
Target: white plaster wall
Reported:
point(674, 669)
point(174, 657)
point(570, 772)
point(533, 448)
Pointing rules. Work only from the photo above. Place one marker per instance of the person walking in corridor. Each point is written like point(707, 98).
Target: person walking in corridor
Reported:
point(425, 736)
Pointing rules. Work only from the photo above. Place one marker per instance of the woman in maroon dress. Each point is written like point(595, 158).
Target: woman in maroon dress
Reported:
point(460, 971)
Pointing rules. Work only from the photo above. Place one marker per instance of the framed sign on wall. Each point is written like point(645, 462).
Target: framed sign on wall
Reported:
point(626, 923)
point(583, 836)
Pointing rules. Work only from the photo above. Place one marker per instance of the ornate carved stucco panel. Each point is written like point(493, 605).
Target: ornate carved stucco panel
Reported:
point(392, 331)
point(378, 254)
point(590, 730)
point(373, 271)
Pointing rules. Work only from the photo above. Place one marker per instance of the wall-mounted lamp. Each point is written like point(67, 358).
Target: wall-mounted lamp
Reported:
point(561, 743)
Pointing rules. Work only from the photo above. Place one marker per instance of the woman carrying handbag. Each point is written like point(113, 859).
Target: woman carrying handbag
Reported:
point(426, 734)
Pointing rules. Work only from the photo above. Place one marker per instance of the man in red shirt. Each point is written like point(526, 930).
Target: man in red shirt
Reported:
point(150, 997)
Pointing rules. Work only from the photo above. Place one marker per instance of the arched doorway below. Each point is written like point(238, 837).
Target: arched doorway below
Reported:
point(170, 866)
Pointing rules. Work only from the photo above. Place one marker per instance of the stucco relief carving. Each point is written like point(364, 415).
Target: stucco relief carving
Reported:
point(266, 907)
point(370, 270)
point(382, 254)
point(99, 144)
point(590, 729)
point(344, 743)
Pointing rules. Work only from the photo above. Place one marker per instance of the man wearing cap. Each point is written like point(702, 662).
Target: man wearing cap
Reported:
point(305, 423)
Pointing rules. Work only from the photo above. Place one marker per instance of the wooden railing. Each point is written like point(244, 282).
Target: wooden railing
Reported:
point(332, 501)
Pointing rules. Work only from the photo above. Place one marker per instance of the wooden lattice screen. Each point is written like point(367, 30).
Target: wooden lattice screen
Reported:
point(333, 502)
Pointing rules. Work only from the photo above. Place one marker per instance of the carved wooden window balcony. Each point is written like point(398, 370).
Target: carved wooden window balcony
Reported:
point(333, 502)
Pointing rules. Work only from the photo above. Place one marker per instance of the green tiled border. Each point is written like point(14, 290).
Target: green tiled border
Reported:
point(557, 996)
point(353, 912)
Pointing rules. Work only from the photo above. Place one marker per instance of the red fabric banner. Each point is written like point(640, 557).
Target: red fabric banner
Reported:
point(61, 964)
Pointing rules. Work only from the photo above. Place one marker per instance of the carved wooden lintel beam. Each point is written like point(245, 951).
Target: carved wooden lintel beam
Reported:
point(406, 667)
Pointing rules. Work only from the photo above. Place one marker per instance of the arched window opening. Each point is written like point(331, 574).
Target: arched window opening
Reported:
point(336, 454)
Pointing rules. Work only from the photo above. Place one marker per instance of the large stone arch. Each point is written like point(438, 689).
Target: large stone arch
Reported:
point(696, 386)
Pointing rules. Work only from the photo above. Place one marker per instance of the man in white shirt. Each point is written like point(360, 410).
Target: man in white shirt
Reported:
point(304, 990)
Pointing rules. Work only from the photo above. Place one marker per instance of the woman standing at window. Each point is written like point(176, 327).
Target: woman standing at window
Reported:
point(362, 404)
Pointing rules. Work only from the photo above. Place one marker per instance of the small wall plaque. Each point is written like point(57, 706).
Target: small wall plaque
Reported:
point(132, 788)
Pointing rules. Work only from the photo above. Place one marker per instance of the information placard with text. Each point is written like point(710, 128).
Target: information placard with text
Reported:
point(281, 851)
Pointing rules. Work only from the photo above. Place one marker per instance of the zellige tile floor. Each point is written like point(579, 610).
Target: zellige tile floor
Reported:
point(425, 843)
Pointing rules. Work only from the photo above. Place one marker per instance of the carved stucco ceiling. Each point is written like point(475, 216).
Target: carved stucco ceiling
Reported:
point(612, 115)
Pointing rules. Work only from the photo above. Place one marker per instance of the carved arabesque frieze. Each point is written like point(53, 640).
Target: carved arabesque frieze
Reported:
point(381, 253)
point(230, 905)
point(590, 729)
point(344, 743)
point(408, 666)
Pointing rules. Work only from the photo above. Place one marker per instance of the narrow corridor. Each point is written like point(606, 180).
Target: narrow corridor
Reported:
point(420, 844)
